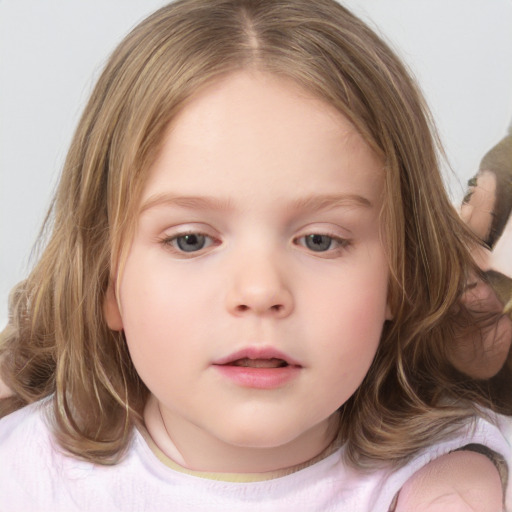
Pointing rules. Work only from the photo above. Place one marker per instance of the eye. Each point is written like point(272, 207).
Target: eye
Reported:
point(317, 242)
point(189, 242)
point(467, 197)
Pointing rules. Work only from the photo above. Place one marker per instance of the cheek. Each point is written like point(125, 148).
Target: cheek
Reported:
point(153, 293)
point(354, 306)
point(155, 315)
point(347, 333)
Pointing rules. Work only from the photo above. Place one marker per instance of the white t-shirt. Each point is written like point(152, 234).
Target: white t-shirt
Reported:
point(35, 475)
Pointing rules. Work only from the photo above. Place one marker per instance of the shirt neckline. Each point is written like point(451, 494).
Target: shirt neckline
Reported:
point(232, 477)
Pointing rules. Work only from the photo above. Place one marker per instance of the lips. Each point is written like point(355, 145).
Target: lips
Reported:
point(258, 368)
point(258, 357)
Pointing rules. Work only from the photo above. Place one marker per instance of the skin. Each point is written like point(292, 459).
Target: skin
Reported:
point(466, 481)
point(268, 155)
point(478, 213)
point(501, 259)
point(483, 354)
point(457, 482)
point(271, 158)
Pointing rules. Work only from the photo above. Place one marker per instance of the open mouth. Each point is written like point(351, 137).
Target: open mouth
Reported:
point(247, 362)
point(258, 368)
point(258, 357)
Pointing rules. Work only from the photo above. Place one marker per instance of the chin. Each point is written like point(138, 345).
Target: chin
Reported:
point(267, 435)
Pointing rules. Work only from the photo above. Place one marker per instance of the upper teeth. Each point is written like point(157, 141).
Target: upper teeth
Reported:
point(260, 363)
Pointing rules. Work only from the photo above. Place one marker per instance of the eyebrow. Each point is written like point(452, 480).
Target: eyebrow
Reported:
point(190, 202)
point(308, 203)
point(328, 201)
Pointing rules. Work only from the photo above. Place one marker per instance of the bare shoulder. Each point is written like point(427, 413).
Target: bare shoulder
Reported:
point(462, 481)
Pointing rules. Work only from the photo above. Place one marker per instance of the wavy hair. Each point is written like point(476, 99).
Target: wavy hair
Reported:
point(57, 343)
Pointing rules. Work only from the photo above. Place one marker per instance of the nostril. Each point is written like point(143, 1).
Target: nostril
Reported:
point(277, 308)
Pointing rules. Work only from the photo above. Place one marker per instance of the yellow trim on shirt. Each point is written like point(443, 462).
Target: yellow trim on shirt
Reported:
point(231, 477)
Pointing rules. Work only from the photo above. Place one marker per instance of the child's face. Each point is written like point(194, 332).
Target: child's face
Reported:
point(255, 290)
point(478, 210)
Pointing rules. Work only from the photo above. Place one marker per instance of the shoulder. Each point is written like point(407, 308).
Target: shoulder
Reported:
point(462, 480)
point(24, 435)
point(18, 424)
point(26, 453)
point(34, 469)
point(477, 455)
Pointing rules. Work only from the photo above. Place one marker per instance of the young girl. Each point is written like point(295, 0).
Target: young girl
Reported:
point(251, 285)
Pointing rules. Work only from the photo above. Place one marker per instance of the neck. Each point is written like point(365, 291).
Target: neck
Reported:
point(193, 449)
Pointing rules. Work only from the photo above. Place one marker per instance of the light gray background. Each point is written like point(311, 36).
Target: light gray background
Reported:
point(51, 52)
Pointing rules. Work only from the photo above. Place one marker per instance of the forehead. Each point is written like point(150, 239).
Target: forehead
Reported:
point(253, 123)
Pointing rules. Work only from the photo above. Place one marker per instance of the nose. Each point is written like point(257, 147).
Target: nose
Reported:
point(258, 286)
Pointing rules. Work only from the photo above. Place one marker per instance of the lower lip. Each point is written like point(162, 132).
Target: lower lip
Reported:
point(259, 378)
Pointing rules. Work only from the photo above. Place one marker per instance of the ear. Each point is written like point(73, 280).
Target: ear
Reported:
point(111, 309)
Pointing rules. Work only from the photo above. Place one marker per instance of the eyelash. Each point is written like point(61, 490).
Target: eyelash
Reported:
point(172, 242)
point(341, 245)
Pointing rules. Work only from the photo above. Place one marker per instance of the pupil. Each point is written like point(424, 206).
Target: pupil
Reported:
point(191, 243)
point(318, 242)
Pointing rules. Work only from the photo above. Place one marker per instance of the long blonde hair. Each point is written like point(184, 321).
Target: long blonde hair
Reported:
point(57, 342)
